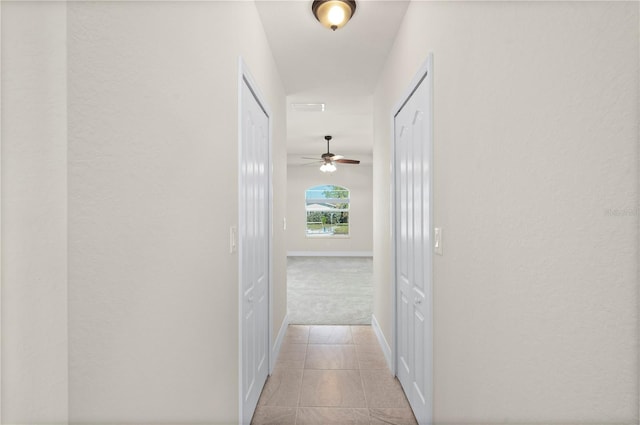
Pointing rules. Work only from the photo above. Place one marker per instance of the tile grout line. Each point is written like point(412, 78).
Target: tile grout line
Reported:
point(364, 392)
point(304, 364)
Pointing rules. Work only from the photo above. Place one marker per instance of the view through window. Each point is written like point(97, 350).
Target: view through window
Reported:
point(327, 210)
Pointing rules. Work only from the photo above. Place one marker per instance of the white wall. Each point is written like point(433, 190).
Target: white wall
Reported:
point(34, 213)
point(152, 193)
point(356, 178)
point(536, 162)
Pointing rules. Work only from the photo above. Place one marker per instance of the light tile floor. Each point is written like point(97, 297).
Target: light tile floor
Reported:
point(330, 375)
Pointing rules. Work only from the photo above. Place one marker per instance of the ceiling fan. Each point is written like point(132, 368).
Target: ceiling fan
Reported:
point(329, 159)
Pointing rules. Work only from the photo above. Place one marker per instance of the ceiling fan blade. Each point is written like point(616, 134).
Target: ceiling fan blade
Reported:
point(306, 164)
point(306, 157)
point(347, 161)
point(336, 157)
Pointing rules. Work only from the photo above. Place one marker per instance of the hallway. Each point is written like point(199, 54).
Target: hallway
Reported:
point(332, 375)
point(123, 206)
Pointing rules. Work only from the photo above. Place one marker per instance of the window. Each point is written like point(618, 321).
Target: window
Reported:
point(327, 210)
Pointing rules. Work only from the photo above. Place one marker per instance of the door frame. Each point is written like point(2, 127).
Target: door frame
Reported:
point(244, 75)
point(1, 274)
point(425, 69)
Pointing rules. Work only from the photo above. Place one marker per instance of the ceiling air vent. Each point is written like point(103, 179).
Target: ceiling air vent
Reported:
point(308, 107)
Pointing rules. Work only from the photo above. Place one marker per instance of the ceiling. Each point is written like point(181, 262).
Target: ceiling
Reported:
point(339, 69)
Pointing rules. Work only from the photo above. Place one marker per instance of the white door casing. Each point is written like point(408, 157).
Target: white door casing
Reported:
point(253, 244)
point(413, 224)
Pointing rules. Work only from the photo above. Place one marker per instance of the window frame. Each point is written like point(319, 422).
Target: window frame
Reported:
point(322, 200)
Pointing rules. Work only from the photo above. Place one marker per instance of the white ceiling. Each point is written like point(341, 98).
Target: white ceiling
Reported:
point(337, 68)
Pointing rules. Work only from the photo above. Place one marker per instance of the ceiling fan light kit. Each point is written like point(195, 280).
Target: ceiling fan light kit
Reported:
point(328, 167)
point(333, 14)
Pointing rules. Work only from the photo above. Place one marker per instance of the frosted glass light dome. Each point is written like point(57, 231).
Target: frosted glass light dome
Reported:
point(333, 14)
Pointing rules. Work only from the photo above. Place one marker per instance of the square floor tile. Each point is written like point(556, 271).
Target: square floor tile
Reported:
point(332, 416)
point(282, 388)
point(296, 334)
point(330, 335)
point(332, 388)
point(403, 416)
point(382, 389)
point(363, 335)
point(272, 415)
point(291, 356)
point(371, 357)
point(327, 356)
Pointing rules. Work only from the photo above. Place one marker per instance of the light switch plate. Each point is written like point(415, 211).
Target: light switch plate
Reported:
point(437, 240)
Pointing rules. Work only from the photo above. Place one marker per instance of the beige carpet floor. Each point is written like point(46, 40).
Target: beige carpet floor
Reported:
point(330, 290)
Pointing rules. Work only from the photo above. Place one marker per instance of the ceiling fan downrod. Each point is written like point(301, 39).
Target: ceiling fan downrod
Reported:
point(328, 139)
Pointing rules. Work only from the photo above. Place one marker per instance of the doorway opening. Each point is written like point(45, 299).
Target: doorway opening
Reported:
point(330, 242)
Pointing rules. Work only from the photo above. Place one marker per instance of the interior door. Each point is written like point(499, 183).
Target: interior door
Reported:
point(413, 224)
point(254, 249)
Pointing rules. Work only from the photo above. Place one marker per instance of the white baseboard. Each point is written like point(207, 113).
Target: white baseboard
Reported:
point(330, 254)
point(384, 345)
point(275, 351)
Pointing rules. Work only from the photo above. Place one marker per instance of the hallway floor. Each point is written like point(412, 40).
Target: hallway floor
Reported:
point(345, 299)
point(332, 375)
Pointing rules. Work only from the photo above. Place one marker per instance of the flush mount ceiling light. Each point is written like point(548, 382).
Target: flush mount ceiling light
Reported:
point(333, 14)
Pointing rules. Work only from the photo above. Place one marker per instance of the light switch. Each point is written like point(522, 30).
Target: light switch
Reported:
point(437, 241)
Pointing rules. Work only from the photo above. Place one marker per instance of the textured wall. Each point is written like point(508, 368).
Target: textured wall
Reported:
point(356, 178)
point(34, 220)
point(152, 193)
point(536, 189)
